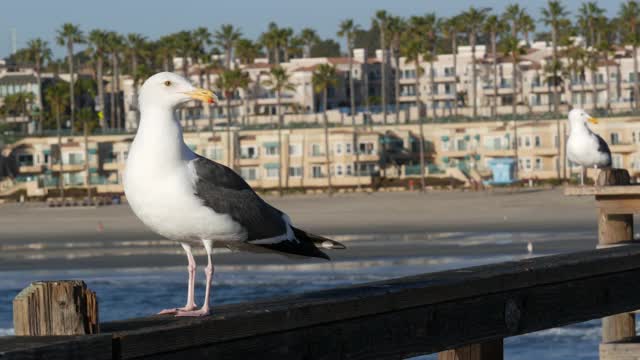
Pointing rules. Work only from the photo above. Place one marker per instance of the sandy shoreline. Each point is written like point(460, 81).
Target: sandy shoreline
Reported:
point(36, 236)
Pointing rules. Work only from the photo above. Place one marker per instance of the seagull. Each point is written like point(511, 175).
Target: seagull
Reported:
point(584, 147)
point(195, 201)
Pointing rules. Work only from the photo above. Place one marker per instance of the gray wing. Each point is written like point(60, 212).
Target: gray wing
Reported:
point(224, 191)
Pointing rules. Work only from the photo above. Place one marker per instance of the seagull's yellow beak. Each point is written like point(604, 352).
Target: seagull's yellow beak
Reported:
point(593, 120)
point(203, 95)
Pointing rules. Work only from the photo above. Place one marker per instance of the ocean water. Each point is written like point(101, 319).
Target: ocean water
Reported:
point(133, 292)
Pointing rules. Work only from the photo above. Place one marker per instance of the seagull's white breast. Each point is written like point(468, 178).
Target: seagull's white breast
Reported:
point(163, 198)
point(582, 149)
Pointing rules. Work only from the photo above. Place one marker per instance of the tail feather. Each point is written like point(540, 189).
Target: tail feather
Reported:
point(319, 241)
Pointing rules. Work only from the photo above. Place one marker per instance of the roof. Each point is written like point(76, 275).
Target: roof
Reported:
point(341, 60)
point(259, 66)
point(13, 78)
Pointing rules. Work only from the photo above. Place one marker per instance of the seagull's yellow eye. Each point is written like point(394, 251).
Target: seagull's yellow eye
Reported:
point(167, 83)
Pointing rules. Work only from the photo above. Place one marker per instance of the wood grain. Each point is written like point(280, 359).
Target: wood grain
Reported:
point(56, 308)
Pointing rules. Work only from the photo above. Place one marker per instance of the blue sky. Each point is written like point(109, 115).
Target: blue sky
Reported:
point(40, 18)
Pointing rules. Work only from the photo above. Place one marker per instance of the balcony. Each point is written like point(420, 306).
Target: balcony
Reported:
point(29, 167)
point(445, 79)
point(75, 166)
point(623, 147)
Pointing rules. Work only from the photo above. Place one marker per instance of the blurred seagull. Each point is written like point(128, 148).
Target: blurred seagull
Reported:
point(193, 200)
point(583, 146)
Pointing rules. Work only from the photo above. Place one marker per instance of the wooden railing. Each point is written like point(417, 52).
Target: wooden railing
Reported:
point(469, 310)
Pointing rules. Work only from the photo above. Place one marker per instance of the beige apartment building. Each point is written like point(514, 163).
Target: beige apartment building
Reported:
point(461, 151)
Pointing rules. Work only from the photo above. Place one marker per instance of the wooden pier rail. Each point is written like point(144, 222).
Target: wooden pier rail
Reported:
point(470, 310)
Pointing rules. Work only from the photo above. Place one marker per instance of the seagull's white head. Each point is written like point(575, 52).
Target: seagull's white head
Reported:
point(167, 89)
point(579, 117)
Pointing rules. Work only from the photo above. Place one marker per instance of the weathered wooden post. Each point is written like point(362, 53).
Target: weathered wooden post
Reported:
point(55, 308)
point(492, 350)
point(612, 230)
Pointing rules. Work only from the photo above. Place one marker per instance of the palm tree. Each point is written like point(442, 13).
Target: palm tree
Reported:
point(68, 35)
point(527, 26)
point(286, 36)
point(279, 82)
point(309, 38)
point(413, 47)
point(494, 26)
point(588, 16)
point(166, 50)
point(606, 48)
point(226, 38)
point(395, 28)
point(57, 96)
point(98, 47)
point(229, 82)
point(347, 30)
point(272, 41)
point(201, 40)
point(246, 51)
point(39, 52)
point(473, 19)
point(451, 28)
point(115, 44)
point(511, 48)
point(380, 20)
point(136, 44)
point(553, 17)
point(323, 78)
point(629, 16)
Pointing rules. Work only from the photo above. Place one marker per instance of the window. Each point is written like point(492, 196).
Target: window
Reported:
point(272, 171)
point(538, 164)
point(527, 163)
point(215, 153)
point(497, 143)
point(616, 160)
point(249, 173)
point(347, 148)
point(338, 149)
point(461, 145)
point(316, 150)
point(633, 137)
point(527, 141)
point(615, 139)
point(366, 148)
point(349, 169)
point(316, 171)
point(537, 141)
point(338, 170)
point(295, 150)
point(248, 152)
point(445, 145)
point(271, 149)
point(75, 158)
point(295, 171)
point(25, 159)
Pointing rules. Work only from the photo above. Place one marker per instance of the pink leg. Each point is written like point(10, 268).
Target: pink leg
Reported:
point(191, 305)
point(205, 309)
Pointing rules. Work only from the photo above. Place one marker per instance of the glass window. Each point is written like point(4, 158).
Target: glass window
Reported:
point(295, 150)
point(249, 173)
point(248, 152)
point(295, 171)
point(271, 150)
point(317, 171)
point(215, 153)
point(272, 172)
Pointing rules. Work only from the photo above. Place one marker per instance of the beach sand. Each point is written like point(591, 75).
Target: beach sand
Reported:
point(35, 236)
